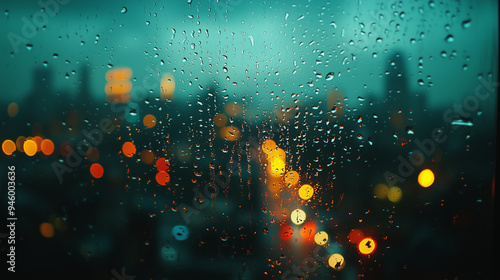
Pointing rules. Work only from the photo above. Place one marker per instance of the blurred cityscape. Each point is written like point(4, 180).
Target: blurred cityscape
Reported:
point(343, 147)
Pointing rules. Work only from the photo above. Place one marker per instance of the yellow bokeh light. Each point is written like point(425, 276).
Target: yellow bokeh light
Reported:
point(292, 178)
point(381, 191)
point(336, 261)
point(277, 153)
point(30, 147)
point(277, 167)
point(394, 194)
point(298, 216)
point(167, 87)
point(321, 238)
point(8, 147)
point(268, 146)
point(306, 192)
point(13, 109)
point(118, 74)
point(426, 178)
point(367, 246)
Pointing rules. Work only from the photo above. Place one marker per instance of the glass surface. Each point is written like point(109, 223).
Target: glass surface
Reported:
point(237, 139)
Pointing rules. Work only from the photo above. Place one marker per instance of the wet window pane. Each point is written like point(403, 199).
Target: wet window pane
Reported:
point(236, 139)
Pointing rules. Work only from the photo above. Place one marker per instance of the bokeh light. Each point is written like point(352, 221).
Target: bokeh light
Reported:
point(336, 261)
point(163, 178)
point(47, 230)
point(306, 192)
point(381, 191)
point(268, 146)
point(8, 147)
point(367, 246)
point(30, 147)
point(167, 87)
point(292, 178)
point(96, 170)
point(277, 167)
point(220, 120)
point(47, 147)
point(12, 109)
point(149, 121)
point(321, 238)
point(298, 216)
point(426, 178)
point(355, 236)
point(229, 133)
point(394, 194)
point(129, 149)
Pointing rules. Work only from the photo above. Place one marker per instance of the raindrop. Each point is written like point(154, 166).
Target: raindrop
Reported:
point(421, 82)
point(449, 39)
point(466, 24)
point(329, 76)
point(29, 47)
point(462, 122)
point(124, 10)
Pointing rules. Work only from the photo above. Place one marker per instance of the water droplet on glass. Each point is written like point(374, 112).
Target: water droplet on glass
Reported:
point(462, 122)
point(466, 24)
point(124, 10)
point(449, 39)
point(329, 76)
point(29, 47)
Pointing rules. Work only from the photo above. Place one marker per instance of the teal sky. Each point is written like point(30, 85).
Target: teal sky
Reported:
point(275, 48)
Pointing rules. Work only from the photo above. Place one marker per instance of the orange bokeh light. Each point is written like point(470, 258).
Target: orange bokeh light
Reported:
point(96, 170)
point(47, 147)
point(8, 147)
point(129, 149)
point(163, 178)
